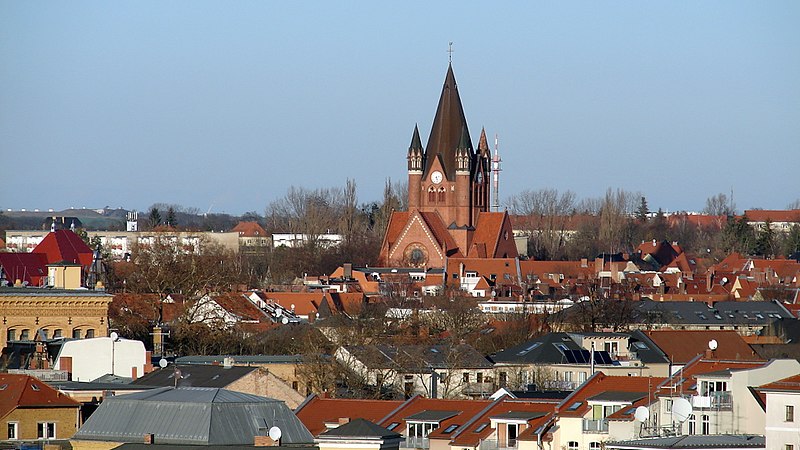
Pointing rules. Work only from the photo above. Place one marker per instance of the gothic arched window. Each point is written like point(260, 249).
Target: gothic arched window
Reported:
point(441, 194)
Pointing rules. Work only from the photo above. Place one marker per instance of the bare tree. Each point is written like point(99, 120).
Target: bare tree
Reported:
point(719, 205)
point(545, 214)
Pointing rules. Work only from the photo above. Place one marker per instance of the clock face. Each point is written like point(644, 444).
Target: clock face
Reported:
point(436, 177)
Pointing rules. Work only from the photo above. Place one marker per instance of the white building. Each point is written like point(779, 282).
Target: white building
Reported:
point(90, 359)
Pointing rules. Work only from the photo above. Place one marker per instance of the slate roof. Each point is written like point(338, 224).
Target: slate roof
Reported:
point(195, 375)
point(419, 357)
point(360, 428)
point(245, 360)
point(692, 441)
point(192, 416)
point(720, 314)
point(541, 350)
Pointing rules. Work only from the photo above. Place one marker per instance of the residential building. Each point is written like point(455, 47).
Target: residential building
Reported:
point(31, 410)
point(782, 427)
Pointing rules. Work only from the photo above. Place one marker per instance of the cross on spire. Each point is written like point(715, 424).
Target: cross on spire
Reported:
point(450, 51)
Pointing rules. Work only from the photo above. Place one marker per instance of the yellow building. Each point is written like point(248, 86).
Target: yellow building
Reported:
point(33, 314)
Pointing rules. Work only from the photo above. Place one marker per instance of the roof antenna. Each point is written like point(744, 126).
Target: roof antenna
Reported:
point(450, 51)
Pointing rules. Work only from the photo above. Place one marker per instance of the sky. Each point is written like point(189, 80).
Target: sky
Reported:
point(224, 105)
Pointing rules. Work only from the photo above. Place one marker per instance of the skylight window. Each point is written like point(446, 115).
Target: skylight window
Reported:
point(392, 426)
point(34, 387)
point(481, 427)
point(640, 345)
point(3, 387)
point(450, 429)
point(528, 348)
point(574, 406)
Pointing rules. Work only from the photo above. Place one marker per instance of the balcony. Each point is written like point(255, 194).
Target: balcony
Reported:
point(415, 442)
point(595, 426)
point(483, 389)
point(721, 400)
point(493, 444)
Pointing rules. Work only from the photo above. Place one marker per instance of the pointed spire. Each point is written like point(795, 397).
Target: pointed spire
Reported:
point(483, 144)
point(449, 126)
point(416, 142)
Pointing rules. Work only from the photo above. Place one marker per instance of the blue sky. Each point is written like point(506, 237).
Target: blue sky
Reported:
point(225, 105)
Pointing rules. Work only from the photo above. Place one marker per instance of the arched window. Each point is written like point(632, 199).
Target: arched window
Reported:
point(431, 195)
point(706, 425)
point(441, 195)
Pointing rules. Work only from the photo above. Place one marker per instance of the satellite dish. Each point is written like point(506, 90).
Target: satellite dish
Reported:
point(285, 320)
point(712, 344)
point(163, 363)
point(278, 312)
point(114, 336)
point(641, 414)
point(275, 433)
point(681, 409)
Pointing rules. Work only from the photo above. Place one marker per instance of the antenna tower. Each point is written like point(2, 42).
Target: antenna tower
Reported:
point(496, 175)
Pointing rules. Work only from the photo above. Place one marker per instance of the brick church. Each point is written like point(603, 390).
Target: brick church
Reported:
point(448, 196)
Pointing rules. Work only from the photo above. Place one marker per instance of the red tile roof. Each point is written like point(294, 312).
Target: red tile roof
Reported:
point(774, 215)
point(249, 229)
point(681, 346)
point(317, 411)
point(684, 379)
point(65, 245)
point(30, 267)
point(576, 405)
point(467, 436)
point(463, 410)
point(239, 305)
point(304, 303)
point(24, 391)
point(790, 384)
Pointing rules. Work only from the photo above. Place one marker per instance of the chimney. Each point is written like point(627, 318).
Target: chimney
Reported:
point(149, 438)
point(584, 262)
point(348, 270)
point(344, 420)
point(264, 441)
point(148, 362)
point(158, 341)
point(65, 363)
point(227, 362)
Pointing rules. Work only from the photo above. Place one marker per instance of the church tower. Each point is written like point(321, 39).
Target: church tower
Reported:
point(448, 176)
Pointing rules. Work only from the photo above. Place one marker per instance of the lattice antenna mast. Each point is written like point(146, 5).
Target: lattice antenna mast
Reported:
point(496, 175)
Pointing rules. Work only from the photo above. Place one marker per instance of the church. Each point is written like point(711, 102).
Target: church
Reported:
point(448, 196)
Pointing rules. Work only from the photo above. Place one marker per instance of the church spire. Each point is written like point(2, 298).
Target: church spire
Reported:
point(449, 126)
point(415, 152)
point(483, 144)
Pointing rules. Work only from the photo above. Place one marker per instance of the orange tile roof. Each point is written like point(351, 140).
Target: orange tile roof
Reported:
point(239, 305)
point(576, 405)
point(488, 230)
point(681, 346)
point(697, 220)
point(317, 411)
point(467, 436)
point(65, 245)
point(439, 230)
point(773, 215)
point(464, 409)
point(249, 229)
point(305, 303)
point(787, 384)
point(28, 392)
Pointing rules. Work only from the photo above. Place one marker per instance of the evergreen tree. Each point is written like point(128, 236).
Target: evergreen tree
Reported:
point(642, 212)
point(154, 218)
point(765, 241)
point(171, 219)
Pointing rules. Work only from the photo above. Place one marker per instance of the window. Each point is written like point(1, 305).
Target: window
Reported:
point(594, 445)
point(24, 335)
point(76, 333)
point(503, 379)
point(790, 413)
point(431, 196)
point(441, 195)
point(692, 424)
point(46, 430)
point(466, 377)
point(479, 376)
point(450, 428)
point(788, 447)
point(705, 424)
point(89, 334)
point(11, 335)
point(513, 432)
point(481, 427)
point(392, 426)
point(13, 430)
point(668, 404)
point(57, 333)
point(572, 445)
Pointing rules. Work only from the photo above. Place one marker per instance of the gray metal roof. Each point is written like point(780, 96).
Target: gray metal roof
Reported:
point(431, 415)
point(618, 396)
point(241, 359)
point(756, 313)
point(692, 442)
point(195, 375)
point(192, 416)
point(359, 428)
point(519, 415)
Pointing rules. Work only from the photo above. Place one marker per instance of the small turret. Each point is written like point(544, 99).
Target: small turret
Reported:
point(415, 152)
point(464, 152)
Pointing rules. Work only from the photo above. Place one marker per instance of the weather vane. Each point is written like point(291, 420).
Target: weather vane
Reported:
point(450, 51)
